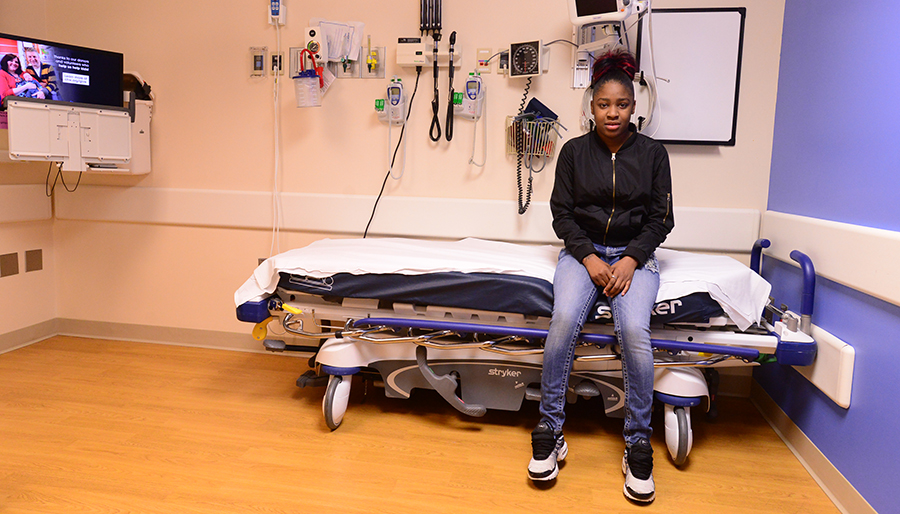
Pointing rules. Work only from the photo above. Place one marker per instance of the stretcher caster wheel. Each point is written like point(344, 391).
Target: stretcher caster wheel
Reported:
point(334, 405)
point(679, 437)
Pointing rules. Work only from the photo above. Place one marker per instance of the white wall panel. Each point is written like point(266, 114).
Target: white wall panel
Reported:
point(26, 202)
point(858, 257)
point(697, 228)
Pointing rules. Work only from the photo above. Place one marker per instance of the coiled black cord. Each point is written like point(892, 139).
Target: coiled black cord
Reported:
point(525, 96)
point(519, 156)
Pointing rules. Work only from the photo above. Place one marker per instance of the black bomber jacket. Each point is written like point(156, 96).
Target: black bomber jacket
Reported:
point(616, 200)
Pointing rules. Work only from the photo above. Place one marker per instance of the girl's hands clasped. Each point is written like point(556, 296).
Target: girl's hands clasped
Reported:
point(614, 279)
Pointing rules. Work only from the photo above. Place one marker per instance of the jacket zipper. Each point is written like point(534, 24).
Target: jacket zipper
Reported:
point(613, 211)
point(668, 203)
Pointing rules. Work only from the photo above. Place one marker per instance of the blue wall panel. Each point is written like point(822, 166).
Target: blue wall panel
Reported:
point(836, 153)
point(859, 441)
point(835, 156)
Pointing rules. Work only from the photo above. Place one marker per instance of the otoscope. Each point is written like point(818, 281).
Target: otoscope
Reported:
point(435, 120)
point(449, 124)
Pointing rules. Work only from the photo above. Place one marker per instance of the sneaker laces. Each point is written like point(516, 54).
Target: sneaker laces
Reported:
point(640, 459)
point(543, 442)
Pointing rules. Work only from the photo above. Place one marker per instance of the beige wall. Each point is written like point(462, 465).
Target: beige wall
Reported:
point(212, 129)
point(27, 298)
point(213, 124)
point(24, 18)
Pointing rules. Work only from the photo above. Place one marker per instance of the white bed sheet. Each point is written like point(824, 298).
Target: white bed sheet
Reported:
point(742, 293)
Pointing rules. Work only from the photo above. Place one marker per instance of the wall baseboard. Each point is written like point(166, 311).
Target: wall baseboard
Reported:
point(845, 497)
point(214, 340)
point(29, 335)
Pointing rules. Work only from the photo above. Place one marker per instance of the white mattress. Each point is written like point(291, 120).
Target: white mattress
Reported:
point(742, 293)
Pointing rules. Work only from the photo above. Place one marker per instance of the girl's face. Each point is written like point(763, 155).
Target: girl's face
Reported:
point(13, 65)
point(612, 107)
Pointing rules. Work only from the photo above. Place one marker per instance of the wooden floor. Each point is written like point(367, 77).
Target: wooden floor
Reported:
point(105, 426)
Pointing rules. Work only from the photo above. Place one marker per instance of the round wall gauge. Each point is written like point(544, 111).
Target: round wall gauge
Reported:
point(525, 59)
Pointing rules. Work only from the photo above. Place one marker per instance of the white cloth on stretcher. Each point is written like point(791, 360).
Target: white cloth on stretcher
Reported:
point(742, 293)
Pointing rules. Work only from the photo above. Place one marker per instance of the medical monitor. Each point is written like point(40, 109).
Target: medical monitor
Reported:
point(64, 73)
point(584, 12)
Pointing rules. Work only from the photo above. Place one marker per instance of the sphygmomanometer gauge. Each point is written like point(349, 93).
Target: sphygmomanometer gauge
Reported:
point(525, 59)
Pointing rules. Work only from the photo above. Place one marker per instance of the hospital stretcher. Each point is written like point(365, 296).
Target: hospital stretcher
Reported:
point(475, 336)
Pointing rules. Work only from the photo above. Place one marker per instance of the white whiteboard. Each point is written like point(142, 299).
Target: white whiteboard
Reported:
point(698, 52)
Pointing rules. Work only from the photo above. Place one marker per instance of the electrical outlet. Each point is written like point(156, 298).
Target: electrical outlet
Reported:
point(278, 63)
point(503, 65)
point(482, 60)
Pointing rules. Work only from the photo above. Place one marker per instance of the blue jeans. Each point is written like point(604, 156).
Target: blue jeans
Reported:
point(574, 295)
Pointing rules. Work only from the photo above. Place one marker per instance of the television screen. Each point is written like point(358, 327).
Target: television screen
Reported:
point(32, 68)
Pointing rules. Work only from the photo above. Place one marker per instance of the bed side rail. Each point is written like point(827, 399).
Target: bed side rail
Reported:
point(747, 354)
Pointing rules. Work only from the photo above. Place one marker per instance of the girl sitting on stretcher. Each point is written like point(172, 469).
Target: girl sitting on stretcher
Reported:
point(612, 207)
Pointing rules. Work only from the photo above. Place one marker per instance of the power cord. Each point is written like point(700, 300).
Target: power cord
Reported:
point(448, 128)
point(48, 188)
point(277, 209)
point(435, 131)
point(483, 135)
point(399, 141)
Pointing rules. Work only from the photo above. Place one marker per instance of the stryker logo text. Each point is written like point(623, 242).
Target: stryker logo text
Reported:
point(663, 308)
point(503, 373)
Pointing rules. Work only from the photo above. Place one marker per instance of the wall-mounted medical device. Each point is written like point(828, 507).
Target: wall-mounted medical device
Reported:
point(600, 26)
point(471, 104)
point(374, 61)
point(392, 109)
point(525, 59)
point(316, 43)
point(590, 40)
point(584, 12)
point(413, 51)
point(276, 12)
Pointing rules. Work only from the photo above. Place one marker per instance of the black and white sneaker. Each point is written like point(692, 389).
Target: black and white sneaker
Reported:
point(637, 465)
point(547, 449)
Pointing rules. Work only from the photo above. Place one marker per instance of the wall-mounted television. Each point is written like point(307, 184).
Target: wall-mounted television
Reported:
point(57, 72)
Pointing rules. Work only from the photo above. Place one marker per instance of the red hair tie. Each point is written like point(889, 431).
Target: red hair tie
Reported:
point(614, 60)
